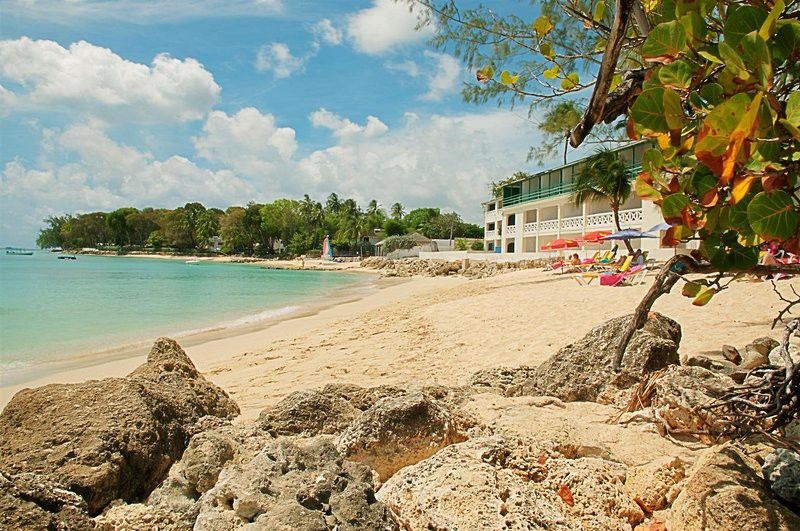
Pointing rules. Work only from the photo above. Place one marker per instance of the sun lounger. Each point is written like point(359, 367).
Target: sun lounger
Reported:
point(624, 277)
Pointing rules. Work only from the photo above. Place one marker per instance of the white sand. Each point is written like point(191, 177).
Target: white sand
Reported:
point(441, 330)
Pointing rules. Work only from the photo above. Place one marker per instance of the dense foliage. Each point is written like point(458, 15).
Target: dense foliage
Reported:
point(285, 225)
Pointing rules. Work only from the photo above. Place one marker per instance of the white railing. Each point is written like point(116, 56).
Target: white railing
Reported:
point(489, 235)
point(571, 224)
point(511, 230)
point(529, 228)
point(551, 225)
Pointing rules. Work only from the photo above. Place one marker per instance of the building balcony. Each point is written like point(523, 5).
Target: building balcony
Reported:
point(553, 191)
point(489, 235)
point(603, 220)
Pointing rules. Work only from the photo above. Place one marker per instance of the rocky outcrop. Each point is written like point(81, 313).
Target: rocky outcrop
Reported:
point(112, 438)
point(409, 267)
point(308, 413)
point(782, 471)
point(31, 502)
point(495, 483)
point(653, 486)
point(682, 392)
point(399, 431)
point(725, 490)
point(500, 379)
point(582, 370)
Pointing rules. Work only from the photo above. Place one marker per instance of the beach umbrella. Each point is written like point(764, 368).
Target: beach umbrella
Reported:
point(593, 237)
point(560, 244)
point(659, 227)
point(628, 234)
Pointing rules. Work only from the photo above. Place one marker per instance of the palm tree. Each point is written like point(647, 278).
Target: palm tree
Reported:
point(397, 210)
point(312, 212)
point(604, 177)
point(332, 204)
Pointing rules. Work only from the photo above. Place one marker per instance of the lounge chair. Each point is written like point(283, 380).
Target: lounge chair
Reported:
point(624, 277)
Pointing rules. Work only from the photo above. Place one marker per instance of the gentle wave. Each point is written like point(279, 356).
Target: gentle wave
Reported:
point(240, 322)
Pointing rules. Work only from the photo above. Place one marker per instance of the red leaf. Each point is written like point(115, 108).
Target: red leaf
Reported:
point(774, 181)
point(710, 198)
point(668, 240)
point(566, 495)
point(690, 219)
point(631, 130)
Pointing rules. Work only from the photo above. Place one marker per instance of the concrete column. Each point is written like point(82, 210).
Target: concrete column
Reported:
point(518, 237)
point(558, 227)
point(537, 230)
point(583, 227)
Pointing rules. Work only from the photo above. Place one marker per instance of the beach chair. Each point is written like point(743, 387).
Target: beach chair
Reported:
point(621, 278)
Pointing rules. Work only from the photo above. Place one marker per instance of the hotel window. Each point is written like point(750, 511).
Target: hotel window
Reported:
point(491, 207)
point(490, 226)
point(512, 219)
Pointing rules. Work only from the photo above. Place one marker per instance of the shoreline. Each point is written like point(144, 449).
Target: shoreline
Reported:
point(214, 344)
point(308, 264)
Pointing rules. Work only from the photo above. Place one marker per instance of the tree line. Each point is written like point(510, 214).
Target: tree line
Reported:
point(284, 226)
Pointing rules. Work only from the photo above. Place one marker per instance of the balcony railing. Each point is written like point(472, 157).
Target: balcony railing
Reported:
point(573, 224)
point(561, 189)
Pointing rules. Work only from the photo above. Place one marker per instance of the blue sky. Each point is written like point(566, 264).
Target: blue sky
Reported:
point(107, 104)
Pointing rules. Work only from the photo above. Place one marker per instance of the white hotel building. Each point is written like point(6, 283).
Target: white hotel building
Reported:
point(528, 213)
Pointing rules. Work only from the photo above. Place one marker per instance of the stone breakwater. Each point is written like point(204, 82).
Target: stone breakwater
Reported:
point(411, 267)
point(157, 449)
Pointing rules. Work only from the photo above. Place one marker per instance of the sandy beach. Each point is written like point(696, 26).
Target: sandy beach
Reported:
point(440, 331)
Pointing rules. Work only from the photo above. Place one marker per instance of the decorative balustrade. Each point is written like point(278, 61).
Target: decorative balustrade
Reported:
point(489, 235)
point(511, 230)
point(551, 225)
point(572, 224)
point(529, 228)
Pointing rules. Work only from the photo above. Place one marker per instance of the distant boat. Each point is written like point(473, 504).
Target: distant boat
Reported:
point(192, 261)
point(19, 252)
point(67, 257)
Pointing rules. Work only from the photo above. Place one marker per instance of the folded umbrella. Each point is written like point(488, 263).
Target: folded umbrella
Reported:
point(629, 234)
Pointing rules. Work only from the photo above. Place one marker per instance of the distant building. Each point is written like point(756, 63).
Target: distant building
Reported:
point(529, 212)
point(215, 244)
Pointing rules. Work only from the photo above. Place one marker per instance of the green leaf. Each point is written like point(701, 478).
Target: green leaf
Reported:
point(773, 214)
point(704, 297)
point(657, 110)
point(673, 205)
point(652, 160)
point(571, 81)
point(787, 40)
point(694, 26)
point(712, 93)
point(741, 21)
point(485, 74)
point(727, 254)
point(645, 190)
point(733, 60)
point(542, 26)
point(677, 75)
point(756, 56)
point(691, 289)
point(793, 109)
point(552, 73)
point(768, 27)
point(507, 79)
point(664, 43)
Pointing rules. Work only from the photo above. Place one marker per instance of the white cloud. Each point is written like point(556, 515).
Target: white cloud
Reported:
point(247, 142)
point(325, 31)
point(98, 82)
point(408, 67)
point(345, 129)
point(137, 11)
point(278, 59)
point(445, 78)
point(384, 25)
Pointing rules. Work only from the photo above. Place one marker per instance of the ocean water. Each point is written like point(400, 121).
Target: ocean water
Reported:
point(52, 310)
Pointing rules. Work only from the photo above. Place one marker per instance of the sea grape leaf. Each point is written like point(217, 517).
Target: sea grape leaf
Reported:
point(733, 61)
point(773, 214)
point(599, 11)
point(787, 39)
point(715, 134)
point(741, 187)
point(740, 139)
point(673, 205)
point(691, 289)
point(645, 189)
point(768, 27)
point(652, 160)
point(664, 43)
point(657, 110)
point(756, 56)
point(704, 297)
point(741, 21)
point(546, 49)
point(677, 75)
point(793, 109)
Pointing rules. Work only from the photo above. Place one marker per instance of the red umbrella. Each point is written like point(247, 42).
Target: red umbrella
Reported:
point(593, 237)
point(560, 244)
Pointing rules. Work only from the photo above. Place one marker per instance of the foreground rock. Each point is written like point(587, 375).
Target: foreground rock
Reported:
point(682, 393)
point(112, 438)
point(725, 490)
point(31, 502)
point(582, 370)
point(494, 483)
point(399, 431)
point(782, 472)
point(240, 477)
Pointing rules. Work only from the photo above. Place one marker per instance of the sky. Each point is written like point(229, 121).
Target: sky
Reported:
point(105, 104)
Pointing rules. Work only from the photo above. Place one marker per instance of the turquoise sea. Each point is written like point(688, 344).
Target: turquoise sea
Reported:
point(52, 310)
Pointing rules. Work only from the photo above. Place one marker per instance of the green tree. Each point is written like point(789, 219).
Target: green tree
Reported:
point(117, 222)
point(397, 211)
point(232, 231)
point(394, 227)
point(419, 217)
point(604, 177)
point(332, 204)
point(50, 236)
